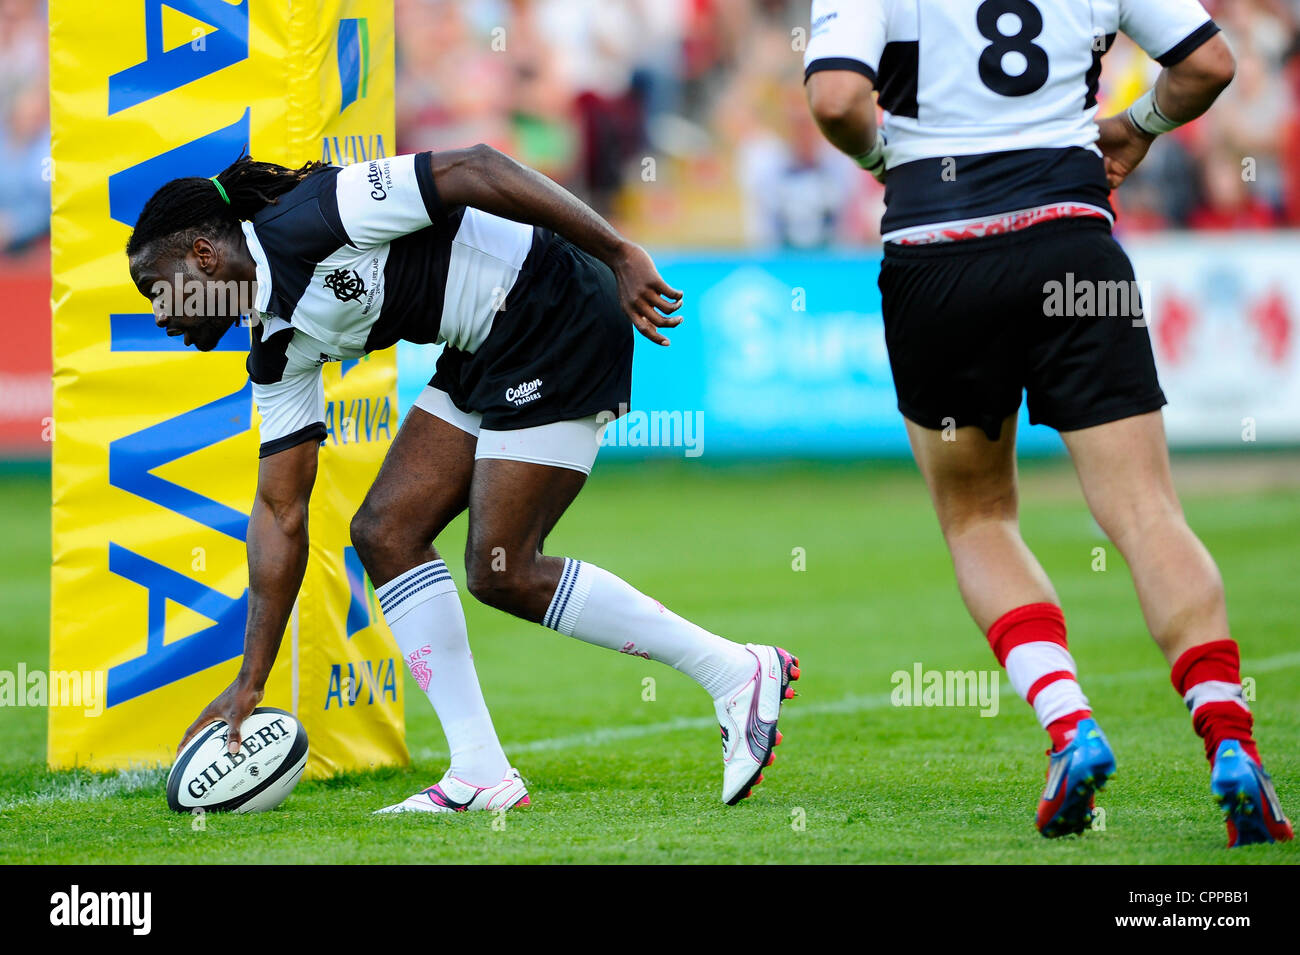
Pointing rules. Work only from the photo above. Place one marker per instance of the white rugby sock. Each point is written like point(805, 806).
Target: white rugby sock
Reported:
point(597, 607)
point(424, 612)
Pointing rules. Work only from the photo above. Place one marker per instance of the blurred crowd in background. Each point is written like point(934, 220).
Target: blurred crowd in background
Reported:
point(684, 120)
point(24, 126)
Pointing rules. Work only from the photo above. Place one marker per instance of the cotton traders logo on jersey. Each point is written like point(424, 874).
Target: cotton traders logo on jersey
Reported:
point(524, 392)
point(819, 25)
point(376, 178)
point(346, 285)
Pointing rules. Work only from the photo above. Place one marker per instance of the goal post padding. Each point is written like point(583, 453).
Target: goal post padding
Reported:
point(155, 446)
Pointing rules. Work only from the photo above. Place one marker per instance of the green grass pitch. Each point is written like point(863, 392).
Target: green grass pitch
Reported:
point(617, 778)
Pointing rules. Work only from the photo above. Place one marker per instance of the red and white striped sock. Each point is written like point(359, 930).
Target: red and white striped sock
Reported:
point(1029, 642)
point(1209, 678)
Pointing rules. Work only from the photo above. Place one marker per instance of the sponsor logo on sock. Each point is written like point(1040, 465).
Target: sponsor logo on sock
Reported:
point(419, 669)
point(630, 648)
point(524, 392)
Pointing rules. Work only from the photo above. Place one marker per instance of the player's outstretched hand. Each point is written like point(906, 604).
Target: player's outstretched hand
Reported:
point(1122, 146)
point(645, 295)
point(234, 705)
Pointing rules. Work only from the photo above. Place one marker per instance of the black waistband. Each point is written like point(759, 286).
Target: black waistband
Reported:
point(932, 191)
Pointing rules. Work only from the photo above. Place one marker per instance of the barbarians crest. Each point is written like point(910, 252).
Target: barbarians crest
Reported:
point(346, 285)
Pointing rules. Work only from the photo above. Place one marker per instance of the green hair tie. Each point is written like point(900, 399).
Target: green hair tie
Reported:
point(221, 189)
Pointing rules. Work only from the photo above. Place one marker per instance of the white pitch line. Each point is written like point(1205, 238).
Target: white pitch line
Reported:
point(613, 734)
point(97, 787)
point(845, 705)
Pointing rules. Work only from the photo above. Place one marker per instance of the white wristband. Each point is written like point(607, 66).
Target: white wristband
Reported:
point(1146, 116)
point(873, 160)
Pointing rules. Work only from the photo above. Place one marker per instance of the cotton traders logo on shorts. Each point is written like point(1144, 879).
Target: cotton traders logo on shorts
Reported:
point(346, 285)
point(524, 392)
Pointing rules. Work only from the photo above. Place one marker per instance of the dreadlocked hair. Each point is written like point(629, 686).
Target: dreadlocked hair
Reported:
point(183, 209)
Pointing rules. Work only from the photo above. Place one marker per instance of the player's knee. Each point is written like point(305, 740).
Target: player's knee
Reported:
point(959, 513)
point(1142, 520)
point(368, 535)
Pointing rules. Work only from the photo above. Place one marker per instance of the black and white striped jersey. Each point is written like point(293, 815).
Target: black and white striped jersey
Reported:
point(356, 258)
point(991, 104)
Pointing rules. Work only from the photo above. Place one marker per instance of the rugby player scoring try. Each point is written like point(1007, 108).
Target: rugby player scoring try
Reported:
point(530, 290)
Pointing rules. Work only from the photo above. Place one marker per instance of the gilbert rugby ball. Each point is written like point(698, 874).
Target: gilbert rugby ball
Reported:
point(258, 777)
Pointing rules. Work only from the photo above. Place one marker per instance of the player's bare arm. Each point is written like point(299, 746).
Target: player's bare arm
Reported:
point(843, 103)
point(489, 180)
point(277, 559)
point(1182, 93)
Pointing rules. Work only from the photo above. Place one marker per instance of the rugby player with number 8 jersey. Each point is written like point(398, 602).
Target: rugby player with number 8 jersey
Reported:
point(534, 296)
point(997, 178)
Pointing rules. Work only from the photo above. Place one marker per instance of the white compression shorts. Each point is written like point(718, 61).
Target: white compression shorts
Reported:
point(560, 444)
